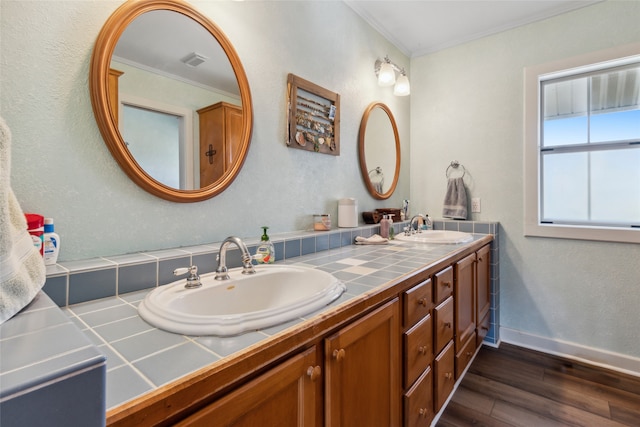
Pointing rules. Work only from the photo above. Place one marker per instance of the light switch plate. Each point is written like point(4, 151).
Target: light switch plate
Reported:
point(475, 205)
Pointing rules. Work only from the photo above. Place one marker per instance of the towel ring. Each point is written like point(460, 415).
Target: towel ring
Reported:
point(455, 164)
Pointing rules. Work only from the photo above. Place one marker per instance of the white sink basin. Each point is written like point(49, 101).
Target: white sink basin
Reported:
point(436, 236)
point(275, 294)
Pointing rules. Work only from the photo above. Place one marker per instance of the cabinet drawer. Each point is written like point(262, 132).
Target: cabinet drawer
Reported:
point(443, 376)
point(443, 284)
point(418, 349)
point(417, 303)
point(443, 318)
point(465, 354)
point(418, 402)
point(483, 329)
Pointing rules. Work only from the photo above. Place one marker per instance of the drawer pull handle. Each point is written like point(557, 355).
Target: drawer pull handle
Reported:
point(423, 412)
point(484, 328)
point(314, 372)
point(447, 324)
point(338, 354)
point(422, 349)
point(446, 284)
point(422, 302)
point(448, 375)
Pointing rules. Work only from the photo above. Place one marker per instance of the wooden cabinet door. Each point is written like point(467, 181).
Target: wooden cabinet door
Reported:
point(212, 144)
point(362, 382)
point(287, 395)
point(418, 401)
point(443, 376)
point(483, 283)
point(443, 284)
point(464, 302)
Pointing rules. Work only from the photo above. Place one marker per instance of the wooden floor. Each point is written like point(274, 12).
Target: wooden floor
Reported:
point(512, 386)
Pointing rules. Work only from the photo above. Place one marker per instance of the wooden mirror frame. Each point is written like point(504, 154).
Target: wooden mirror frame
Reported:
point(361, 151)
point(99, 90)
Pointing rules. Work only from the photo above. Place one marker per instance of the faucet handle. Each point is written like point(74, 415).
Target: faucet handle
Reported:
point(193, 281)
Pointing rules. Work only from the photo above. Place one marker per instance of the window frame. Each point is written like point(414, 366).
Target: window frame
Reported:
point(533, 75)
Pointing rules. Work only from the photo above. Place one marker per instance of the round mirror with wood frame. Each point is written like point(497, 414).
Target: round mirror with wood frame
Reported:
point(379, 150)
point(105, 104)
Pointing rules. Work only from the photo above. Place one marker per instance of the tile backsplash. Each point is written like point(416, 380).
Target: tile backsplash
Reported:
point(75, 282)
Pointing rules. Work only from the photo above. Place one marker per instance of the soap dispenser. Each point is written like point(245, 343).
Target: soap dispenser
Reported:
point(266, 252)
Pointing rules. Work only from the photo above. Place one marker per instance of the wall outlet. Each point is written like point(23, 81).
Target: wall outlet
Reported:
point(475, 205)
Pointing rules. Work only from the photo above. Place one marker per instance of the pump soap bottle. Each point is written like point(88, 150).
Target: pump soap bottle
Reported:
point(266, 252)
point(51, 243)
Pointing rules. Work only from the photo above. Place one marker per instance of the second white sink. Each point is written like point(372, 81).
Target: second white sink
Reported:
point(273, 295)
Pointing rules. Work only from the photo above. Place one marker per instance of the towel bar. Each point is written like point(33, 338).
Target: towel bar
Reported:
point(455, 164)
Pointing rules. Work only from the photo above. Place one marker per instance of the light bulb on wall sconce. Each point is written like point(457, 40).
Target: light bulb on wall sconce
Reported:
point(386, 75)
point(386, 72)
point(402, 87)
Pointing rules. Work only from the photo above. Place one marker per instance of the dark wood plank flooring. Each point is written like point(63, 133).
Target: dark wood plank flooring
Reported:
point(513, 386)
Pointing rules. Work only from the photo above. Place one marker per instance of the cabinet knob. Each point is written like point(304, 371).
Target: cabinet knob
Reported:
point(469, 353)
point(447, 324)
point(446, 284)
point(479, 259)
point(314, 372)
point(423, 412)
point(423, 349)
point(448, 375)
point(338, 354)
point(422, 302)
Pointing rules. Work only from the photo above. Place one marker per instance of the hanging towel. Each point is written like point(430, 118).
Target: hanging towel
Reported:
point(22, 270)
point(376, 239)
point(455, 200)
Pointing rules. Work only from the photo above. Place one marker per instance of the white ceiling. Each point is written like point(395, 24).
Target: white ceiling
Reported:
point(419, 27)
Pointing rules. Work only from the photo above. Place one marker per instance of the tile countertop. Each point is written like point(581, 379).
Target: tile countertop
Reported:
point(43, 352)
point(142, 358)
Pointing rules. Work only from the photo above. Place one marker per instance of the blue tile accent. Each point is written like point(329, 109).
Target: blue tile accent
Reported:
point(56, 289)
point(466, 227)
point(482, 228)
point(87, 286)
point(133, 278)
point(322, 242)
point(292, 248)
point(308, 245)
point(167, 266)
point(207, 263)
point(334, 240)
point(279, 250)
point(345, 238)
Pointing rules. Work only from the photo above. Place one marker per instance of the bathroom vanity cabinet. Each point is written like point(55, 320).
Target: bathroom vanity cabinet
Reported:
point(359, 377)
point(388, 357)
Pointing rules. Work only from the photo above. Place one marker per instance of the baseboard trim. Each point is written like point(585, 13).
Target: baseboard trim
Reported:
point(593, 356)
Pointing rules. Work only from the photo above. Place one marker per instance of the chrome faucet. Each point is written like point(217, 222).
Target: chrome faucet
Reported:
point(247, 266)
point(409, 230)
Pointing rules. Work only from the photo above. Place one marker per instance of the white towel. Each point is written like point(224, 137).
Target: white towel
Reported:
point(376, 239)
point(455, 200)
point(22, 270)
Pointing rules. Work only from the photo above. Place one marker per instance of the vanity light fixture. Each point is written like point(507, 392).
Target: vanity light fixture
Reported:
point(194, 59)
point(386, 72)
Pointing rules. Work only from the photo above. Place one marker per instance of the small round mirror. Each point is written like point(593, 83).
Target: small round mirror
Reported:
point(379, 150)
